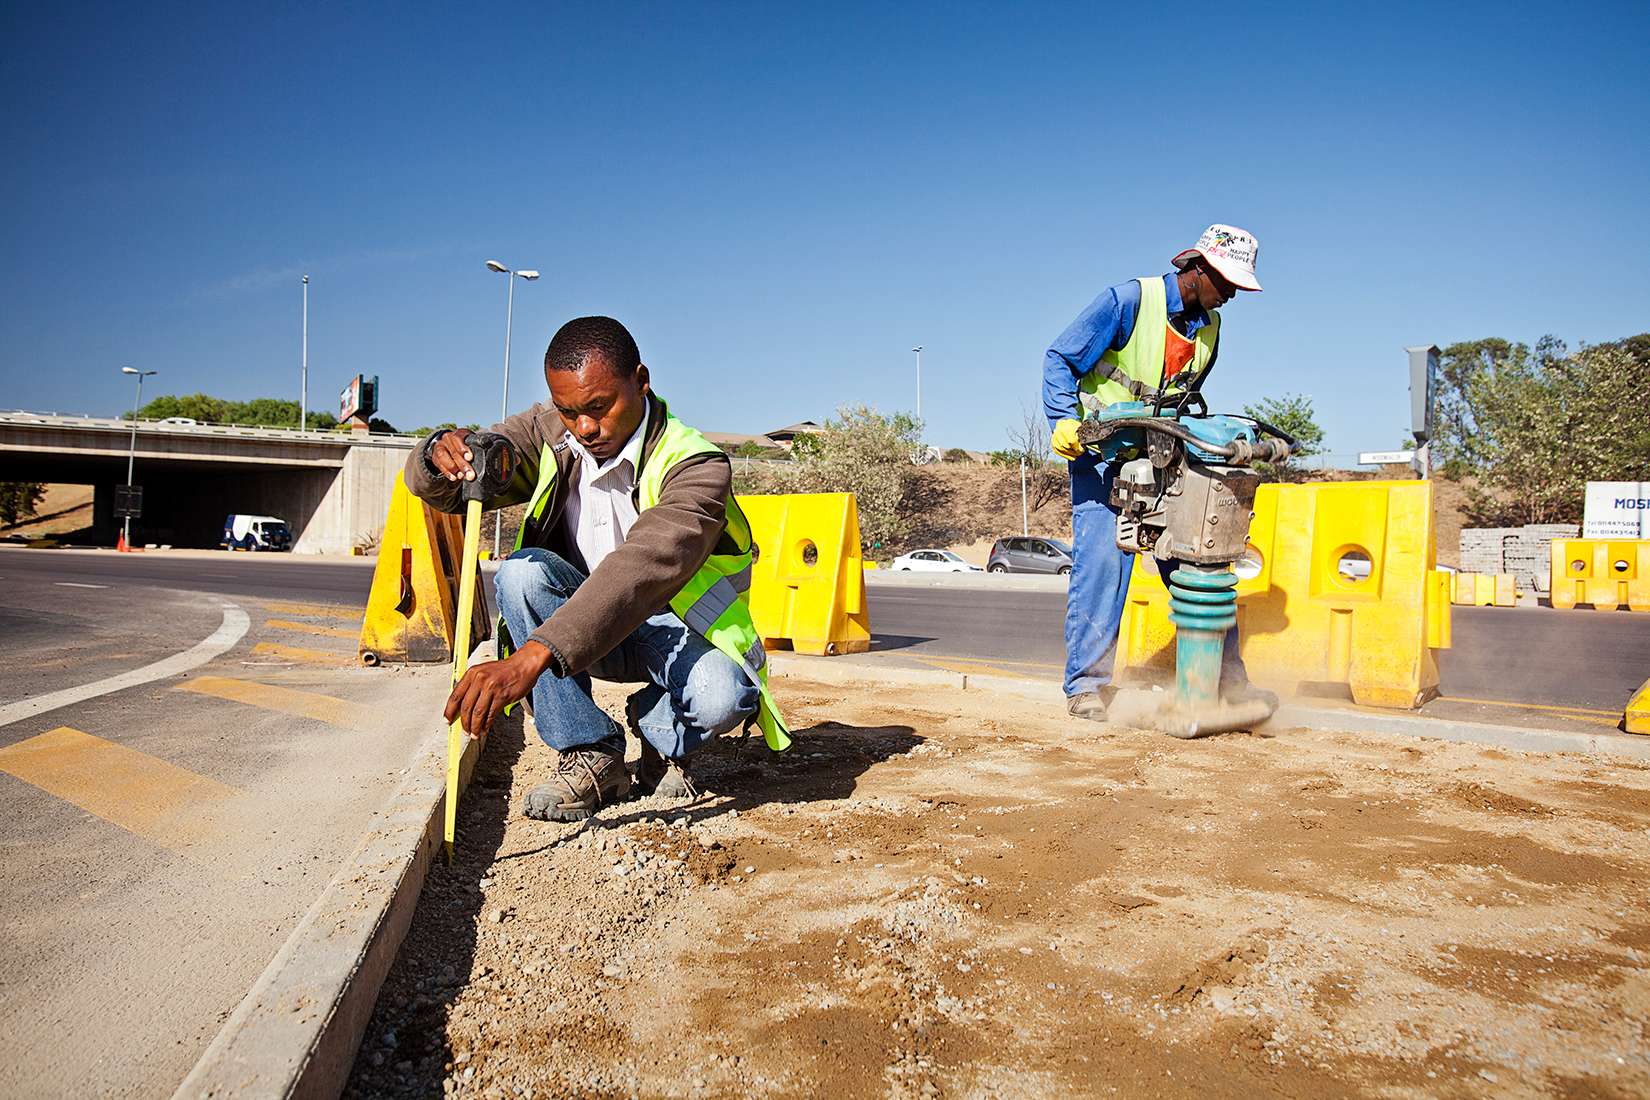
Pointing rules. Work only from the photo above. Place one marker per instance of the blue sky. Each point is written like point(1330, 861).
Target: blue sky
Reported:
point(780, 202)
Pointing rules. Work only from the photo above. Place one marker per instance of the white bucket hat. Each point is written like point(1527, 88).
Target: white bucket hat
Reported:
point(1230, 251)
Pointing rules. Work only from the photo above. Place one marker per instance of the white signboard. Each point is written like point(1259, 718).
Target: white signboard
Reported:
point(1617, 510)
point(1385, 458)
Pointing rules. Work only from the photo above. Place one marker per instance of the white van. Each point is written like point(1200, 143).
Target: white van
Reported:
point(242, 532)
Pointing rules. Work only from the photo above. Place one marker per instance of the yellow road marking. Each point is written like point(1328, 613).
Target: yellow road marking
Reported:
point(317, 610)
point(304, 704)
point(307, 656)
point(312, 628)
point(140, 793)
point(963, 665)
point(1613, 715)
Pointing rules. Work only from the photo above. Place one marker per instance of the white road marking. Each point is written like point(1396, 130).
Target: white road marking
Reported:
point(230, 631)
point(77, 584)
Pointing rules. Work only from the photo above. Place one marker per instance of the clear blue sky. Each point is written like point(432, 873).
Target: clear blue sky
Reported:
point(780, 202)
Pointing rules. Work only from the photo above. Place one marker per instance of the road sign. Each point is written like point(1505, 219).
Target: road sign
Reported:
point(1423, 390)
point(128, 502)
point(1385, 458)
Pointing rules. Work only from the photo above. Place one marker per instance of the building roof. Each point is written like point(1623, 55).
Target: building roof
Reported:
point(803, 427)
point(738, 439)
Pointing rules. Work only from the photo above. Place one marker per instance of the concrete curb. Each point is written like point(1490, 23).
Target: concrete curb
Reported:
point(296, 1032)
point(1519, 738)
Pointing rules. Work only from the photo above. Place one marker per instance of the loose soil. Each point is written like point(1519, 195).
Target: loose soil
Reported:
point(970, 895)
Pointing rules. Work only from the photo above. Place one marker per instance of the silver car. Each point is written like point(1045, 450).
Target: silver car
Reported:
point(1033, 554)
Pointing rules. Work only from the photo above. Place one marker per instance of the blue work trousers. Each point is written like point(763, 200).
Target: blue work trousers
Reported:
point(693, 693)
point(1099, 587)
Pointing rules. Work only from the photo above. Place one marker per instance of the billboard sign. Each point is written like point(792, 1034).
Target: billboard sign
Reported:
point(1617, 510)
point(1423, 390)
point(359, 398)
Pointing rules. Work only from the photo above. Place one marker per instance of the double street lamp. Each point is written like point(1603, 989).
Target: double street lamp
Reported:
point(504, 404)
point(131, 452)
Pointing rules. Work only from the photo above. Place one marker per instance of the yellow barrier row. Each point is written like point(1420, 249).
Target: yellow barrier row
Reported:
point(1606, 573)
point(1484, 589)
point(808, 577)
point(412, 610)
point(1345, 593)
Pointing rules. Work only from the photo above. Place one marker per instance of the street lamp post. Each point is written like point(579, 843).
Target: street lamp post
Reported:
point(918, 350)
point(504, 403)
point(131, 451)
point(303, 377)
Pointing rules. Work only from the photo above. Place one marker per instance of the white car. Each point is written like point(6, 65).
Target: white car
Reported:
point(932, 561)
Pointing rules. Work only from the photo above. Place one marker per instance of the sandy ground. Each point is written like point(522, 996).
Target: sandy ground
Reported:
point(968, 896)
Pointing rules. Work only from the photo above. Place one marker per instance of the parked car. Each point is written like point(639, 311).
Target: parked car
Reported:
point(181, 420)
point(243, 532)
point(932, 561)
point(1030, 555)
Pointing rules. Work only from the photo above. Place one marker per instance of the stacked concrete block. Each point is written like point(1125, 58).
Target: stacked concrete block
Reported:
point(1521, 551)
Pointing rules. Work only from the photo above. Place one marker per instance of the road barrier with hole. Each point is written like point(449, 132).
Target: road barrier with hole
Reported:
point(1338, 590)
point(1635, 717)
point(1605, 573)
point(1484, 589)
point(412, 610)
point(808, 577)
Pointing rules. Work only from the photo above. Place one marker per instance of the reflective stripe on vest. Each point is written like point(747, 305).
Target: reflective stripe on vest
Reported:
point(1132, 373)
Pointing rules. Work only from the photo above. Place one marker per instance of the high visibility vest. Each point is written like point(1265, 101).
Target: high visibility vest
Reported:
point(715, 601)
point(1133, 373)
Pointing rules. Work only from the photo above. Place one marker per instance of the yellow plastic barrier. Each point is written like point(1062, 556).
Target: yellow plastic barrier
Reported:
point(1606, 573)
point(808, 579)
point(412, 610)
point(1345, 593)
point(1484, 589)
point(1635, 716)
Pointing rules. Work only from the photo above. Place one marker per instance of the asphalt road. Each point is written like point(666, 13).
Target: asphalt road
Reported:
point(161, 840)
point(1528, 658)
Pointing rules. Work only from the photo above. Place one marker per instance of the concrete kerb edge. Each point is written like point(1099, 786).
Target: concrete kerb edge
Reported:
point(296, 1032)
point(1519, 738)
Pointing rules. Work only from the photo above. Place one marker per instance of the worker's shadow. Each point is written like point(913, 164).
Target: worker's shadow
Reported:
point(404, 1050)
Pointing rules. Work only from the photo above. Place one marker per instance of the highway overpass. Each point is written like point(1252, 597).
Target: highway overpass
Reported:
point(331, 487)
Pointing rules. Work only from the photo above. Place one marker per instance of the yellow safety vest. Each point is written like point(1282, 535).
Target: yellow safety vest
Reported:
point(1133, 373)
point(715, 601)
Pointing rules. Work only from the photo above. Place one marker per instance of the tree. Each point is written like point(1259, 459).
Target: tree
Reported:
point(1291, 413)
point(18, 500)
point(1533, 426)
point(863, 452)
point(1029, 440)
point(260, 412)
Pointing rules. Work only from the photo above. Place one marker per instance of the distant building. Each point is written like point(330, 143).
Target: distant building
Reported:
point(732, 441)
point(785, 437)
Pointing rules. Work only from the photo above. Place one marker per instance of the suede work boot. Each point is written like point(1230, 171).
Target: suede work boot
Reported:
point(654, 774)
point(1088, 704)
point(586, 777)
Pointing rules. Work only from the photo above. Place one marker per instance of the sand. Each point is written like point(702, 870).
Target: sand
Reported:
point(968, 895)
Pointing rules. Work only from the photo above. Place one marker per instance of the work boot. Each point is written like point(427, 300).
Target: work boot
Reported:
point(1087, 704)
point(656, 775)
point(586, 777)
point(1239, 694)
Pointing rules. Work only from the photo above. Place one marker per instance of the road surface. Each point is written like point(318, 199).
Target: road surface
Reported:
point(162, 838)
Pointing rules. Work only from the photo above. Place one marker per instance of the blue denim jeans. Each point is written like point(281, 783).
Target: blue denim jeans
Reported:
point(693, 692)
point(1099, 588)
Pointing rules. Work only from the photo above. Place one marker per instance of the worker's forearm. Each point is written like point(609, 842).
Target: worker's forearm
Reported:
point(1059, 389)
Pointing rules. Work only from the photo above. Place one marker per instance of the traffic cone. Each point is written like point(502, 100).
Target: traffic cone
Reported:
point(120, 543)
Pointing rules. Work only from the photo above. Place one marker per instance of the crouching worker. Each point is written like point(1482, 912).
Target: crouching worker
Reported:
point(631, 565)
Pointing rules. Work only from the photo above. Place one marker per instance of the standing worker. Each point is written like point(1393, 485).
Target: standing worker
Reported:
point(1132, 339)
point(632, 564)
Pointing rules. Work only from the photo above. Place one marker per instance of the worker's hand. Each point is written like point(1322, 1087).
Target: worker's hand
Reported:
point(1065, 441)
point(451, 455)
point(486, 689)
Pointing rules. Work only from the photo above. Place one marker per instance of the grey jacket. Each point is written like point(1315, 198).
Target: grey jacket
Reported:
point(665, 547)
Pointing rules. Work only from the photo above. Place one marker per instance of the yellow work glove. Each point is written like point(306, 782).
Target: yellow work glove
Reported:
point(1065, 439)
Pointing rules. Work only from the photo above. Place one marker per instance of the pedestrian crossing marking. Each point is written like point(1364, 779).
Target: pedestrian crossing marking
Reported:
point(313, 610)
point(313, 628)
point(142, 794)
point(285, 700)
point(327, 658)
